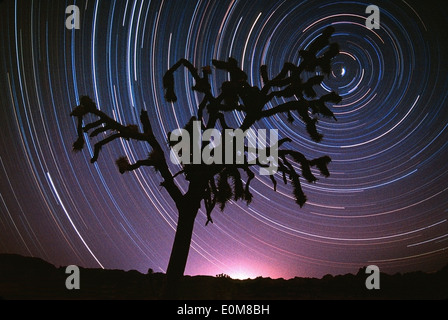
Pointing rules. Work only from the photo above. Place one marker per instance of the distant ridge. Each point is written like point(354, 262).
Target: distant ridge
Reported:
point(27, 278)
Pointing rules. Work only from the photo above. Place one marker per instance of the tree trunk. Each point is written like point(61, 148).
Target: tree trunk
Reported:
point(180, 250)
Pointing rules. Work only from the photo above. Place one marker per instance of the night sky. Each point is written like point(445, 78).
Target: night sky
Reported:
point(385, 203)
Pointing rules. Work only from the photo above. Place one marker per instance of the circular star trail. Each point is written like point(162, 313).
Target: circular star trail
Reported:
point(385, 202)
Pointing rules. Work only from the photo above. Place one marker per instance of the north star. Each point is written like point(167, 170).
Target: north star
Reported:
point(194, 310)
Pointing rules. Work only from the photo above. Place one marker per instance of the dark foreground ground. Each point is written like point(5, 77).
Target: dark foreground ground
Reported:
point(32, 278)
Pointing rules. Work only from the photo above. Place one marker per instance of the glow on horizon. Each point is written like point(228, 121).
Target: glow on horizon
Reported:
point(242, 273)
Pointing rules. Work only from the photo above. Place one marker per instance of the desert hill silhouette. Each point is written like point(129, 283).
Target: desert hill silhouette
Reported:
point(28, 278)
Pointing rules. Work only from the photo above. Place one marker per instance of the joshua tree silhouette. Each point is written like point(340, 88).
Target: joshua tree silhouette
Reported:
point(217, 183)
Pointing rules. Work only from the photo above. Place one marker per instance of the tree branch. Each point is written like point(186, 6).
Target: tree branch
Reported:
point(156, 158)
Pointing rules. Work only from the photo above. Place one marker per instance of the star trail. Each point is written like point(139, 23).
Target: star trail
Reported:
point(385, 202)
